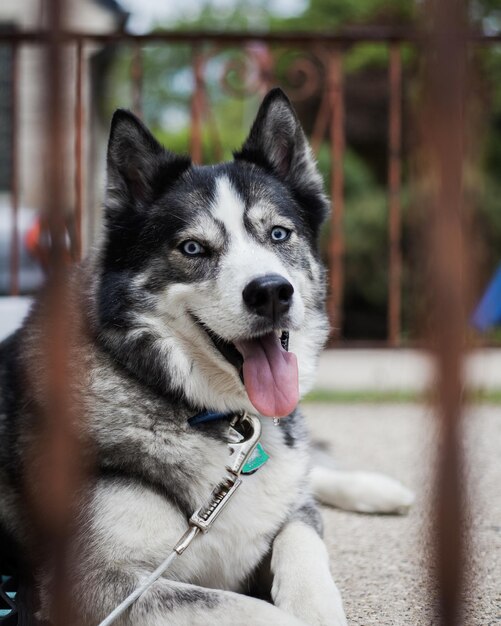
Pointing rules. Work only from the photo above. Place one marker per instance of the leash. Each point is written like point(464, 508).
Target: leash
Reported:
point(246, 456)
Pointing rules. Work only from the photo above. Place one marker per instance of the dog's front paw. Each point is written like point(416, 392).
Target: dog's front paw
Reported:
point(302, 581)
point(316, 603)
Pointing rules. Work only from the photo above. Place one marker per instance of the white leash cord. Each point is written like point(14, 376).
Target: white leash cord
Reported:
point(178, 549)
point(123, 606)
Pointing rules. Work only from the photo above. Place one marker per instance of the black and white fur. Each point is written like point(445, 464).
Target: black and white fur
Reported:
point(142, 310)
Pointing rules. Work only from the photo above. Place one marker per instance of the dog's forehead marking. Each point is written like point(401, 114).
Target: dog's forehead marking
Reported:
point(228, 207)
point(267, 213)
point(204, 227)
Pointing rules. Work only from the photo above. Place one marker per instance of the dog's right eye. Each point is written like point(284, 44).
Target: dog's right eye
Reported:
point(192, 248)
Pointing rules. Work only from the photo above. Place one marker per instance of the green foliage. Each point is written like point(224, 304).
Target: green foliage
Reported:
point(364, 56)
point(487, 212)
point(330, 396)
point(229, 133)
point(333, 14)
point(373, 56)
point(167, 80)
point(366, 238)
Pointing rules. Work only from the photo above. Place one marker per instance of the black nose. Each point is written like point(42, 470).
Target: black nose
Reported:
point(269, 296)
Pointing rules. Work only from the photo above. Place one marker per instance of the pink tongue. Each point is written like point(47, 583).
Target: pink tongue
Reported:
point(270, 375)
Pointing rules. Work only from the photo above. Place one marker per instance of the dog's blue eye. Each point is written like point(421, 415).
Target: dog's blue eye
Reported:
point(278, 233)
point(192, 248)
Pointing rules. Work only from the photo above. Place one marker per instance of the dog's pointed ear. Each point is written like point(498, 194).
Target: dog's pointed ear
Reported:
point(139, 169)
point(277, 142)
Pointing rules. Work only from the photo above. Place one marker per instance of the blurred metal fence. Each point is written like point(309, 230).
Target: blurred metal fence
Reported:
point(319, 69)
point(316, 70)
point(444, 47)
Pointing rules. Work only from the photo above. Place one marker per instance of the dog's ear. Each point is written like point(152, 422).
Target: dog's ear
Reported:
point(277, 143)
point(139, 169)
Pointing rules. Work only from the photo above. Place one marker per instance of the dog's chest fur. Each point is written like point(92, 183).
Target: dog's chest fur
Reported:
point(174, 467)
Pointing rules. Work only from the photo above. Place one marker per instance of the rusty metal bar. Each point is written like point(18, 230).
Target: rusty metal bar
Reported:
point(55, 475)
point(14, 174)
point(266, 69)
point(78, 123)
point(444, 147)
point(197, 107)
point(212, 128)
point(321, 123)
point(368, 34)
point(136, 73)
point(336, 242)
point(54, 520)
point(394, 190)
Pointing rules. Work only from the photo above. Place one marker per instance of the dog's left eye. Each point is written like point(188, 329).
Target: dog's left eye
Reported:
point(192, 248)
point(278, 233)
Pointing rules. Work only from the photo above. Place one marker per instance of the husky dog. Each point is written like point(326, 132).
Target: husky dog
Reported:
point(180, 311)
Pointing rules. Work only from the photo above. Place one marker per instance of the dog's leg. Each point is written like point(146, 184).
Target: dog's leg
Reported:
point(169, 603)
point(302, 582)
point(364, 492)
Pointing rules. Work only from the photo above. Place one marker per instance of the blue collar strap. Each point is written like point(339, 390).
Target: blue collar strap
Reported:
point(209, 416)
point(257, 458)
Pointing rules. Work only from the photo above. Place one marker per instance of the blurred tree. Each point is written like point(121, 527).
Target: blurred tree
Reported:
point(334, 14)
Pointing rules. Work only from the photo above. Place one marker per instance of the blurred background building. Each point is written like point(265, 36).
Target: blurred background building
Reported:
point(22, 122)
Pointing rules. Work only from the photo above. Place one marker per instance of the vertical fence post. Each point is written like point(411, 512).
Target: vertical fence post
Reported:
point(394, 191)
point(78, 122)
point(321, 123)
point(336, 242)
point(52, 443)
point(197, 107)
point(14, 174)
point(443, 133)
point(55, 474)
point(136, 73)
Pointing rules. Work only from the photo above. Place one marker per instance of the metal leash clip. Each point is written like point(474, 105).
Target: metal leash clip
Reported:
point(248, 428)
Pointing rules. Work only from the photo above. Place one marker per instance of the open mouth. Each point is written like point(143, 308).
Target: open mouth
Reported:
point(226, 348)
point(268, 371)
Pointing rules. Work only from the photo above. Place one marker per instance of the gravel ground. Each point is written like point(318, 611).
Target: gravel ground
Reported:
point(381, 563)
